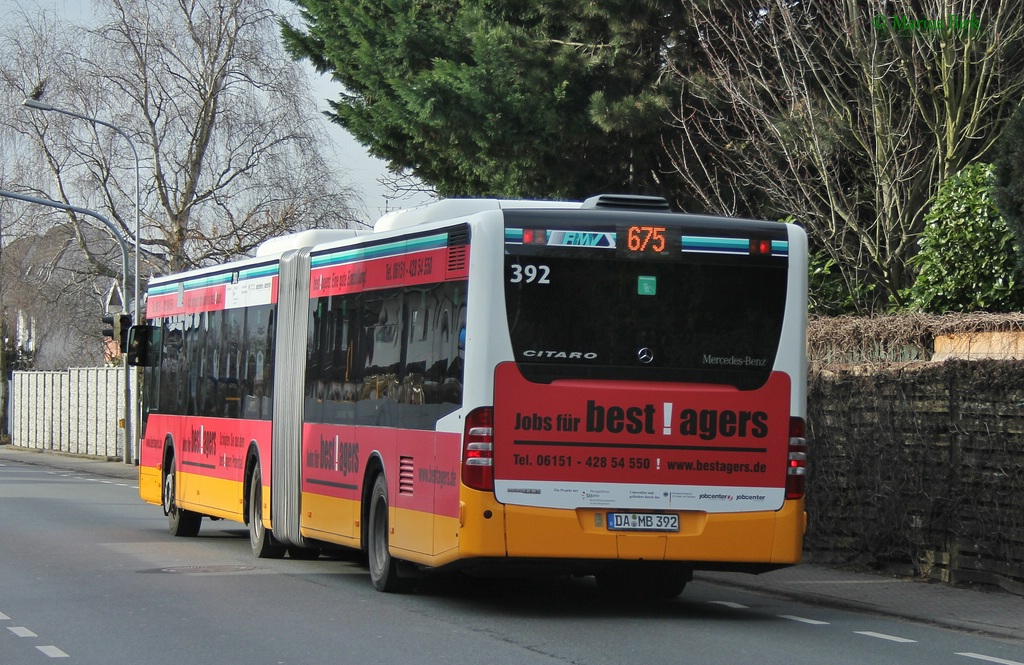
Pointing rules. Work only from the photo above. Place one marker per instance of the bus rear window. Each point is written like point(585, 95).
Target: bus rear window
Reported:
point(592, 313)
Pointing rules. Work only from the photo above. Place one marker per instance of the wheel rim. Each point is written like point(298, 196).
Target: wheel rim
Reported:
point(169, 506)
point(380, 546)
point(256, 520)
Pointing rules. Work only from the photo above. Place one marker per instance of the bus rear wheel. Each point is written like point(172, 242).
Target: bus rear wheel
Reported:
point(181, 523)
point(263, 543)
point(383, 568)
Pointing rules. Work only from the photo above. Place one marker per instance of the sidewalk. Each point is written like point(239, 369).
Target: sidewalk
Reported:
point(993, 612)
point(98, 466)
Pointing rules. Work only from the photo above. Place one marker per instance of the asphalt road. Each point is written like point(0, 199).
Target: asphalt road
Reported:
point(88, 574)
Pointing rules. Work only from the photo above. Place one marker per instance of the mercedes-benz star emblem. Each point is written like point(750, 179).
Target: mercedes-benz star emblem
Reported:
point(644, 355)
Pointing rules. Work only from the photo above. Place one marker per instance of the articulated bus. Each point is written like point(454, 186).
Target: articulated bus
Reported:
point(604, 388)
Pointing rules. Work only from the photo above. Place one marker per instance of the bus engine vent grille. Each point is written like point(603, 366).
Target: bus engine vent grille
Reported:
point(406, 475)
point(457, 259)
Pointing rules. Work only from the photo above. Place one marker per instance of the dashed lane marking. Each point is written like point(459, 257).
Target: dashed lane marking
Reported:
point(813, 622)
point(726, 603)
point(991, 659)
point(91, 480)
point(868, 633)
point(22, 631)
point(883, 636)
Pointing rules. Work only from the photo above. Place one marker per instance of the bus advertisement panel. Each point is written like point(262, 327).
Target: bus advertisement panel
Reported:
point(610, 444)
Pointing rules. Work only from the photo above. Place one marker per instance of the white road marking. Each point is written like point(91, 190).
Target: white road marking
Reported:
point(991, 659)
point(883, 636)
point(53, 652)
point(813, 622)
point(21, 631)
point(735, 606)
point(4, 617)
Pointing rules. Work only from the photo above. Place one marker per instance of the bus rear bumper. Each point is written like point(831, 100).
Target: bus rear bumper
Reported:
point(732, 541)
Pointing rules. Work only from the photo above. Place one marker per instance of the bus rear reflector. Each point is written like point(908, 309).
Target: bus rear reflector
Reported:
point(796, 467)
point(478, 449)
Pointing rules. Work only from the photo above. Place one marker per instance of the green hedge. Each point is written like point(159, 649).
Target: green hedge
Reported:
point(968, 259)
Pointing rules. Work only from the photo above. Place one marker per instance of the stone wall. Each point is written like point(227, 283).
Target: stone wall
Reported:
point(918, 468)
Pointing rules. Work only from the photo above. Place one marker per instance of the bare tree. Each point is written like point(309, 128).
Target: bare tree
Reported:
point(224, 122)
point(41, 155)
point(225, 127)
point(403, 185)
point(846, 116)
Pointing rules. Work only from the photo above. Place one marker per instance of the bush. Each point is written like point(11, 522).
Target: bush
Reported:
point(967, 261)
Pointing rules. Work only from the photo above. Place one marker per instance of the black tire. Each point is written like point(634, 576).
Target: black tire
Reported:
point(641, 584)
point(383, 568)
point(181, 523)
point(263, 543)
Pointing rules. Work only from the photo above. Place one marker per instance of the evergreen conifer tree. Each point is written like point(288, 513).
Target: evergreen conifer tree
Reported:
point(1009, 176)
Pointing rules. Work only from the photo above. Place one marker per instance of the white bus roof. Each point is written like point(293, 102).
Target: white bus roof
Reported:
point(281, 244)
point(453, 208)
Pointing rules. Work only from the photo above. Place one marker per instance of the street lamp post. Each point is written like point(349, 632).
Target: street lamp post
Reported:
point(42, 106)
point(124, 270)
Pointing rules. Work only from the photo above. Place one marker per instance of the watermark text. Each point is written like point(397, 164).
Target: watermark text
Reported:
point(905, 25)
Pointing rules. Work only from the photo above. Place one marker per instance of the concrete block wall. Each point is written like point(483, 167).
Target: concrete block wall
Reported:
point(75, 411)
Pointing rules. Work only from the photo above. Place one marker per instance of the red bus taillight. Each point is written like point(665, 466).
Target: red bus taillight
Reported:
point(796, 467)
point(761, 247)
point(478, 449)
point(535, 236)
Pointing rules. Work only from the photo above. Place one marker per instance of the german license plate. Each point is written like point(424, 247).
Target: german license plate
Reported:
point(642, 522)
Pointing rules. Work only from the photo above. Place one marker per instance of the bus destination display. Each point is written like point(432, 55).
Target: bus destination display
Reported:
point(647, 241)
